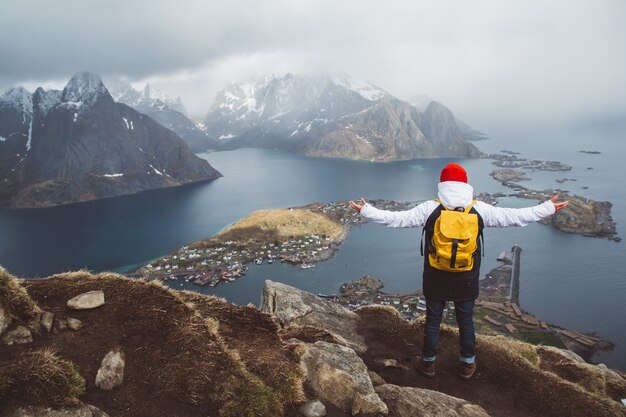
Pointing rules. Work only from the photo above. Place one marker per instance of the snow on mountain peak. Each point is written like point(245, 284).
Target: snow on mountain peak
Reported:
point(18, 98)
point(44, 100)
point(363, 88)
point(123, 92)
point(84, 88)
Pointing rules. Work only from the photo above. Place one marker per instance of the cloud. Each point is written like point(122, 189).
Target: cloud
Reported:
point(484, 59)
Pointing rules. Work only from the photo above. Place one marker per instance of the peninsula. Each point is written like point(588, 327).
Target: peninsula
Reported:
point(582, 216)
point(299, 235)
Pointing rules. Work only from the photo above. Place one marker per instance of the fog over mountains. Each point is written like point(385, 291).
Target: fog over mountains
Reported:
point(334, 116)
point(59, 147)
point(80, 144)
point(165, 109)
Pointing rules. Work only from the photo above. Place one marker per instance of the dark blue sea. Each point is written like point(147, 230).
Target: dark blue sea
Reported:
point(568, 280)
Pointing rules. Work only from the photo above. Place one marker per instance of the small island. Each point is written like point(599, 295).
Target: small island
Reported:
point(509, 175)
point(591, 152)
point(583, 216)
point(510, 160)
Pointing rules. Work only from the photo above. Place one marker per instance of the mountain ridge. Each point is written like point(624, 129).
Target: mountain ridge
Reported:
point(330, 116)
point(167, 110)
point(79, 145)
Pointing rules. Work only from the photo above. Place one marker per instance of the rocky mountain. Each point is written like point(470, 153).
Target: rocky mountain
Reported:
point(77, 344)
point(333, 116)
point(165, 109)
point(75, 145)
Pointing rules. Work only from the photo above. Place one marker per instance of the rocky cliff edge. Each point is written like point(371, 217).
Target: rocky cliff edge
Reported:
point(78, 344)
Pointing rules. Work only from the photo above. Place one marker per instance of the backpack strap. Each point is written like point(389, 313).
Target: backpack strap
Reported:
point(481, 226)
point(429, 222)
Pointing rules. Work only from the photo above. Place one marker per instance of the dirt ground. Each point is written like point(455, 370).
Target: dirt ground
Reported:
point(500, 392)
point(176, 363)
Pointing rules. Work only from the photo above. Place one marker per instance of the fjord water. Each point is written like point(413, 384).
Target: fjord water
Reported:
point(567, 280)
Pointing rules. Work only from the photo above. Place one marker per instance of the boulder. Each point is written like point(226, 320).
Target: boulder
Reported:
point(85, 410)
point(111, 372)
point(375, 378)
point(294, 307)
point(18, 336)
point(313, 408)
point(87, 301)
point(5, 320)
point(336, 375)
point(74, 324)
point(47, 318)
point(96, 412)
point(410, 401)
point(563, 352)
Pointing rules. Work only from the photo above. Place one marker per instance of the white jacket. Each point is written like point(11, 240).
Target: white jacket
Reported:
point(454, 194)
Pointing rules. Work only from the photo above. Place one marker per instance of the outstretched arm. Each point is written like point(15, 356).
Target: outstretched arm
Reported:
point(414, 217)
point(503, 217)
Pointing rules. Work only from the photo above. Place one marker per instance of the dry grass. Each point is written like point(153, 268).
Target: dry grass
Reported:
point(282, 224)
point(588, 376)
point(255, 337)
point(374, 308)
point(516, 362)
point(230, 360)
point(513, 369)
point(308, 334)
point(42, 376)
point(15, 299)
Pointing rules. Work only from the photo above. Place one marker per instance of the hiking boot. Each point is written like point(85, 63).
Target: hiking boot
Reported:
point(466, 370)
point(425, 368)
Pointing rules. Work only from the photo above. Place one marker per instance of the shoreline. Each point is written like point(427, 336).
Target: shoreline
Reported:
point(226, 256)
point(497, 310)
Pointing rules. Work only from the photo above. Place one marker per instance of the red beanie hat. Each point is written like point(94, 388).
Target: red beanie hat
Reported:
point(453, 172)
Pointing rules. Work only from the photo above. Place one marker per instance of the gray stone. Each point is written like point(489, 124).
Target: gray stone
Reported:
point(337, 376)
point(87, 301)
point(563, 352)
point(96, 412)
point(5, 320)
point(313, 408)
point(18, 336)
point(111, 372)
point(85, 410)
point(74, 324)
point(610, 375)
point(47, 318)
point(375, 378)
point(410, 402)
point(294, 307)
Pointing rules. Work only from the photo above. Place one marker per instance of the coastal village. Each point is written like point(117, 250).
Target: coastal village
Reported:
point(300, 236)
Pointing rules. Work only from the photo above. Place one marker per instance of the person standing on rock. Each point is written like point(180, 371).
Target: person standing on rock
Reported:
point(452, 229)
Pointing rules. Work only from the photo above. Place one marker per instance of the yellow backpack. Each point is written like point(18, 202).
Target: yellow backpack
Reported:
point(454, 239)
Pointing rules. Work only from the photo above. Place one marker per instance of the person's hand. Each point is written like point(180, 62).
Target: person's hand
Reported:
point(358, 207)
point(558, 206)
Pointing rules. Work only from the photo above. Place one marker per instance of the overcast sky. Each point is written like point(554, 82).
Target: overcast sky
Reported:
point(486, 60)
